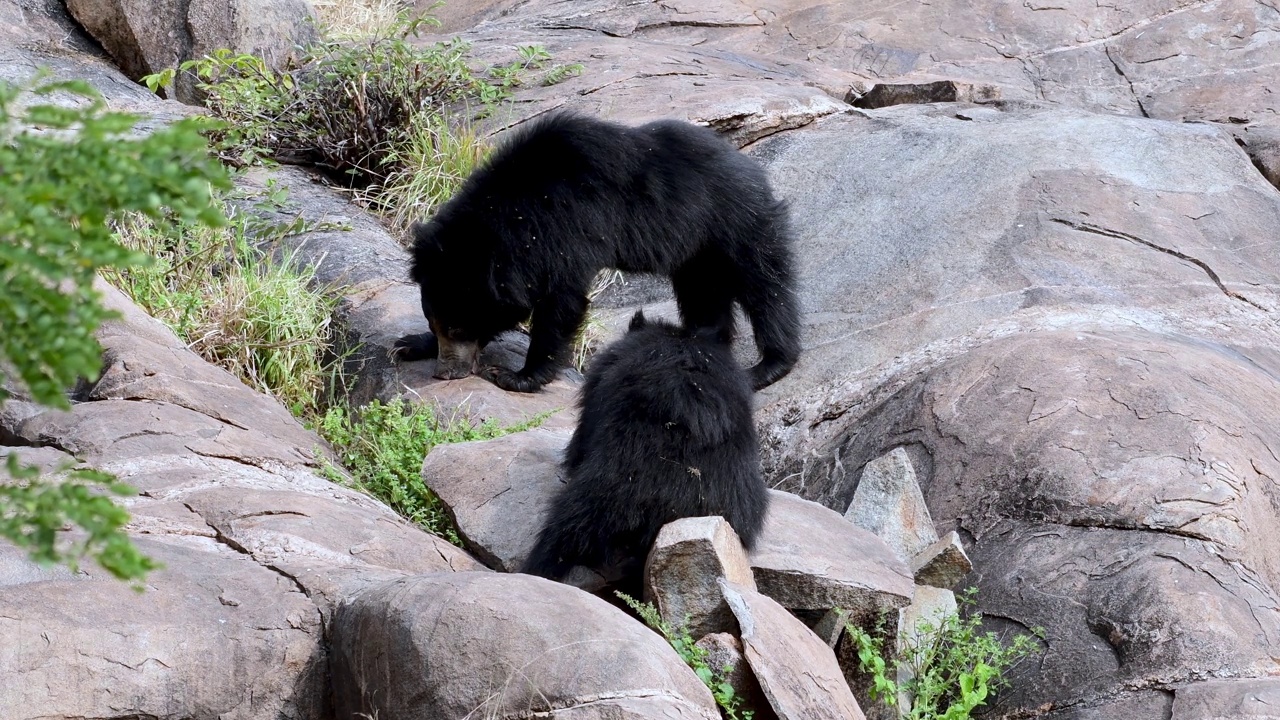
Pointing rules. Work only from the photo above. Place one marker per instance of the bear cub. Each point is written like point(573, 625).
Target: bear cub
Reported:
point(568, 196)
point(665, 432)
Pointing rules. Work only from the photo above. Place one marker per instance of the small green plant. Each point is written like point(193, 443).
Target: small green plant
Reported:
point(234, 303)
point(951, 666)
point(695, 656)
point(68, 169)
point(382, 446)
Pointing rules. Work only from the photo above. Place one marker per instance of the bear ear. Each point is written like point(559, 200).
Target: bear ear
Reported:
point(426, 238)
point(637, 321)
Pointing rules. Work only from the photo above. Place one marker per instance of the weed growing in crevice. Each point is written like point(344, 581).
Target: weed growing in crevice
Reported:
point(949, 667)
point(731, 704)
point(382, 446)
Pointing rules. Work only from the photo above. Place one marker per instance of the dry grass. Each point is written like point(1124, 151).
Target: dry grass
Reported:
point(357, 19)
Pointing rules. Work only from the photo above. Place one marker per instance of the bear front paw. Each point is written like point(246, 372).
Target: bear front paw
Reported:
point(422, 346)
point(511, 381)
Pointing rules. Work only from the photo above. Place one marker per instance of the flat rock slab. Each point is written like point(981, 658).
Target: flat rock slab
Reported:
point(810, 558)
point(504, 646)
point(498, 491)
point(797, 672)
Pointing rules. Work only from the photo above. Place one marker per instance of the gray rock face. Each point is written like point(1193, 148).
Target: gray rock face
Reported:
point(504, 646)
point(146, 37)
point(888, 504)
point(810, 558)
point(1020, 219)
point(1246, 699)
point(797, 671)
point(725, 651)
point(497, 491)
point(683, 572)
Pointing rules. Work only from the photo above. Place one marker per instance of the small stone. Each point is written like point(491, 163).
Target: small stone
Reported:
point(888, 502)
point(797, 672)
point(682, 573)
point(943, 564)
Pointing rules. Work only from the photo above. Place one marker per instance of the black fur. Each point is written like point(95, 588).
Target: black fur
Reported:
point(665, 432)
point(570, 195)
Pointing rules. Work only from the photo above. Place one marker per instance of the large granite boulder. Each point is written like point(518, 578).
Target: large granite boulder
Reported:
point(146, 37)
point(499, 646)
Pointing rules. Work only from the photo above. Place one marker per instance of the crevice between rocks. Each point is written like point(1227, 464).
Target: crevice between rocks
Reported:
point(224, 539)
point(1116, 234)
point(1132, 90)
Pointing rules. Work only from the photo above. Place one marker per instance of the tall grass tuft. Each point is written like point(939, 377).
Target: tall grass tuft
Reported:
point(235, 305)
point(430, 165)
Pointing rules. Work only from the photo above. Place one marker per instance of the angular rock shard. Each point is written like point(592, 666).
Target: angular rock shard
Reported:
point(943, 564)
point(683, 570)
point(888, 502)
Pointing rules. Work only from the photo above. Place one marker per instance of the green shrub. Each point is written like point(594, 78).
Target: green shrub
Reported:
point(382, 446)
point(952, 666)
point(235, 304)
point(731, 704)
point(68, 170)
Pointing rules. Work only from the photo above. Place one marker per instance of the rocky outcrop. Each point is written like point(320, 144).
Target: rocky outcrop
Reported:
point(489, 645)
point(257, 548)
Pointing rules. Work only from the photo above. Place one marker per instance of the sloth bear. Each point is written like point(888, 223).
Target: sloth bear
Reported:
point(665, 432)
point(568, 196)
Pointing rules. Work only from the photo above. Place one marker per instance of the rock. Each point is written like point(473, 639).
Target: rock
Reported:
point(258, 548)
point(888, 503)
point(943, 564)
point(797, 672)
point(1121, 518)
point(498, 491)
point(926, 91)
point(929, 606)
point(212, 635)
point(1037, 232)
point(1262, 143)
point(503, 646)
point(148, 37)
point(683, 571)
point(810, 558)
point(746, 97)
point(725, 651)
point(1240, 699)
